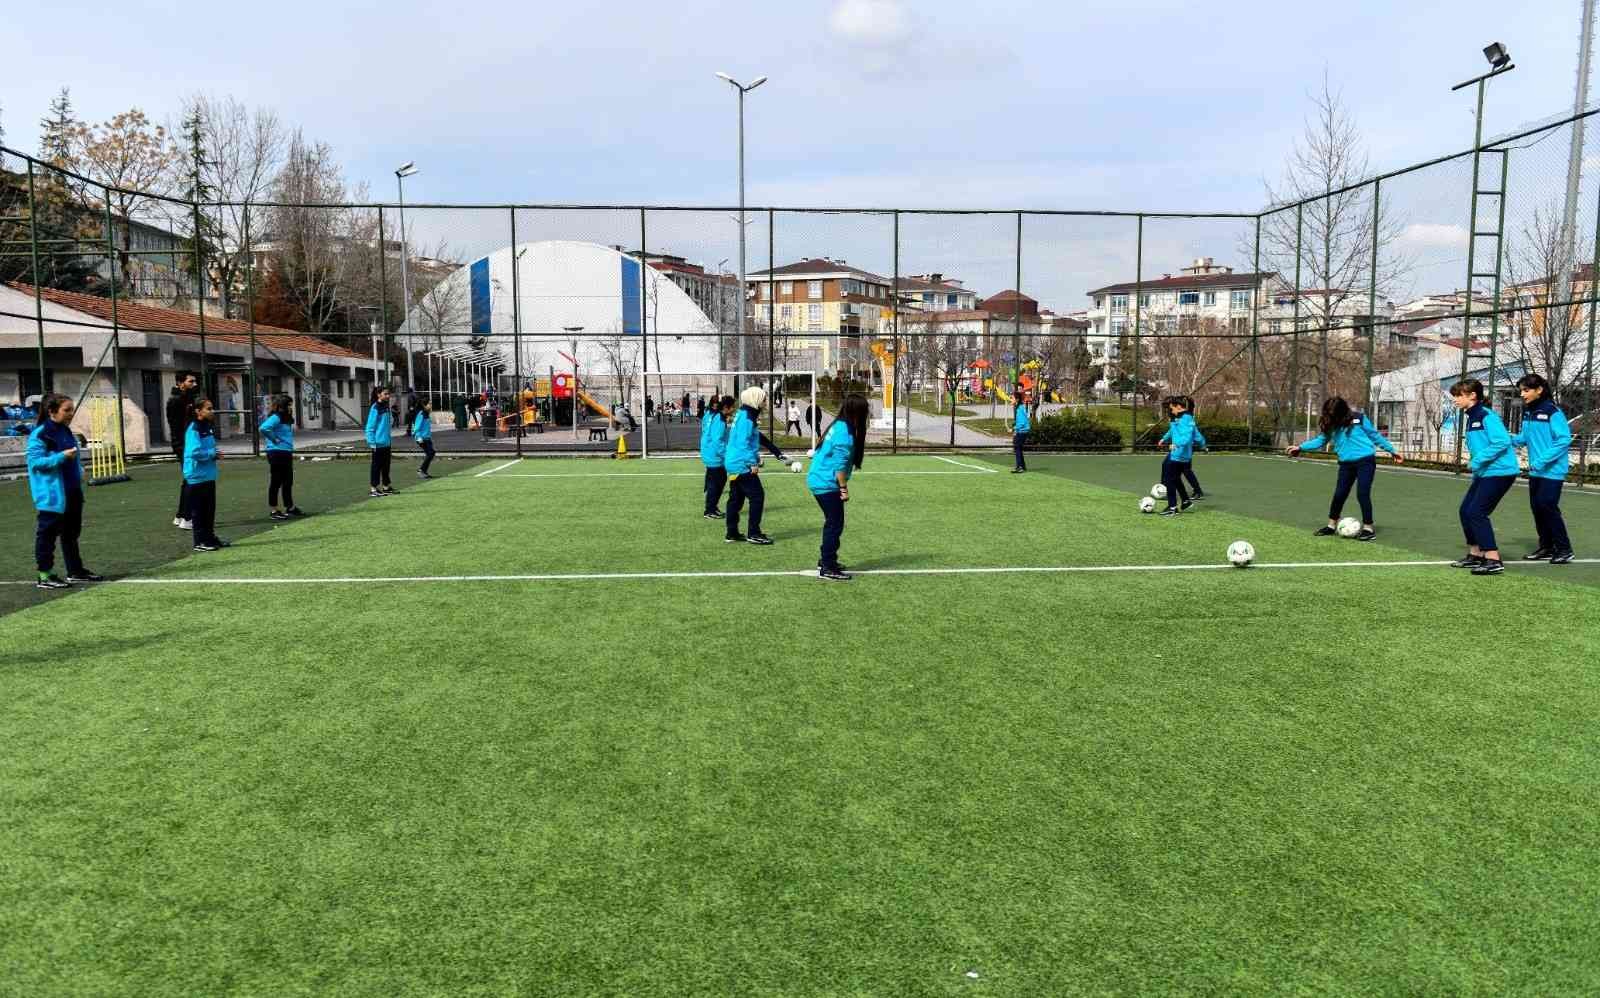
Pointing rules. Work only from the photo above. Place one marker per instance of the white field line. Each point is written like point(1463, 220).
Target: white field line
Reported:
point(485, 474)
point(1570, 489)
point(801, 573)
point(960, 464)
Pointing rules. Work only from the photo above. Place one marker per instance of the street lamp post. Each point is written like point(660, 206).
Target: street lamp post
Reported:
point(406, 170)
point(743, 89)
point(722, 293)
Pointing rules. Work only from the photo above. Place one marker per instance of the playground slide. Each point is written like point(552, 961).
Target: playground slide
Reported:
point(583, 397)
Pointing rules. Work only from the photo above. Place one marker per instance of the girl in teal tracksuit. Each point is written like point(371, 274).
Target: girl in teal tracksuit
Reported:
point(422, 433)
point(379, 425)
point(1021, 426)
point(277, 432)
point(1180, 439)
point(1548, 437)
point(1195, 492)
point(200, 471)
point(842, 449)
point(55, 481)
point(713, 446)
point(1356, 442)
point(1494, 471)
point(742, 459)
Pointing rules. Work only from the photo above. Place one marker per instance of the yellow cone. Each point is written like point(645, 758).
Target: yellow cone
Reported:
point(622, 447)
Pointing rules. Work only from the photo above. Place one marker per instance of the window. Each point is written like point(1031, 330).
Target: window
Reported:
point(1119, 327)
point(813, 289)
point(1119, 303)
point(1211, 298)
point(949, 301)
point(786, 287)
point(1274, 326)
point(786, 311)
point(338, 388)
point(814, 316)
point(1188, 298)
point(762, 292)
point(1099, 301)
point(813, 327)
point(1144, 299)
point(927, 298)
point(1241, 300)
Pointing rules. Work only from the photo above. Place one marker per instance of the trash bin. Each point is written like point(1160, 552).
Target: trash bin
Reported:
point(490, 418)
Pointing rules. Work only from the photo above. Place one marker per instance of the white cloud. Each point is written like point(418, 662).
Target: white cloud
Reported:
point(870, 22)
point(1434, 235)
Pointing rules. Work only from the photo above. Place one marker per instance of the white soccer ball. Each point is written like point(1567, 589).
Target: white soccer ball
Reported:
point(1147, 505)
point(795, 466)
point(1241, 554)
point(1159, 491)
point(1348, 527)
point(811, 452)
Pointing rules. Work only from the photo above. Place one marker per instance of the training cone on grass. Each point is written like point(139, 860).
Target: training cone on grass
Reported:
point(622, 447)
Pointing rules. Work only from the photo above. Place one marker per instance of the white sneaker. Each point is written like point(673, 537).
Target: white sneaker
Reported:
point(185, 524)
point(177, 521)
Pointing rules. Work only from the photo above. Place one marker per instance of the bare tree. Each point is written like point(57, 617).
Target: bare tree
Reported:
point(1332, 233)
point(309, 242)
point(134, 165)
point(1546, 336)
point(621, 353)
point(241, 151)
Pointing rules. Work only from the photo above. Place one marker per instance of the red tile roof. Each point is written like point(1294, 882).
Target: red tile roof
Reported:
point(147, 318)
point(820, 266)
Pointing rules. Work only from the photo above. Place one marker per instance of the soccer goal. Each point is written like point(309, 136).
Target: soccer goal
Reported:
point(676, 401)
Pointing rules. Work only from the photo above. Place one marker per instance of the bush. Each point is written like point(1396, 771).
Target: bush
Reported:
point(1218, 434)
point(1069, 429)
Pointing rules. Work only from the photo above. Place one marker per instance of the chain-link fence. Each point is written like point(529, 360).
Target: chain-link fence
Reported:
point(514, 327)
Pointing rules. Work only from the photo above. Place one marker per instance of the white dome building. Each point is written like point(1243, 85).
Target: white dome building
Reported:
point(561, 284)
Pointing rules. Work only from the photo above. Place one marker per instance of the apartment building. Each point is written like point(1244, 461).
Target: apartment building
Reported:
point(830, 310)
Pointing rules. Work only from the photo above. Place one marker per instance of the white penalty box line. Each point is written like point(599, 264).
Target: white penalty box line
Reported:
point(776, 573)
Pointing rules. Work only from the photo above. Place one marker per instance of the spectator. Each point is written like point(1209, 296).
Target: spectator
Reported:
point(411, 407)
point(180, 413)
point(792, 414)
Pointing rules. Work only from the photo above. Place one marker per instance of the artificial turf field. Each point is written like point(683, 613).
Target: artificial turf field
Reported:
point(1380, 778)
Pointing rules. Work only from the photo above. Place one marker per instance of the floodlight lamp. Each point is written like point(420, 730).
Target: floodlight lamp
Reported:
point(725, 76)
point(407, 170)
point(756, 82)
point(1497, 55)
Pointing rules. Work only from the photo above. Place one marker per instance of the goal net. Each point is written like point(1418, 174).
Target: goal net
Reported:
point(675, 402)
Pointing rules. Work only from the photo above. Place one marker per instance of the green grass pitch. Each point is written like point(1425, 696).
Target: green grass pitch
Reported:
point(574, 749)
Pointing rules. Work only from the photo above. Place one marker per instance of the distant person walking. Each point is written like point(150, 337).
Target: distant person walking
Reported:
point(422, 433)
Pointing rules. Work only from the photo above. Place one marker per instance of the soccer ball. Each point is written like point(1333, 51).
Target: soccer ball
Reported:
point(1147, 505)
point(1348, 527)
point(795, 466)
point(1241, 554)
point(1159, 491)
point(811, 452)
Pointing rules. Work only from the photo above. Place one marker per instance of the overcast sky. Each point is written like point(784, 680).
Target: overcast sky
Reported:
point(1143, 104)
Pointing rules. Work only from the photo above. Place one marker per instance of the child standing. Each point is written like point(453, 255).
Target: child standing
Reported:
point(379, 426)
point(842, 449)
point(1179, 440)
point(1195, 492)
point(200, 471)
point(1356, 441)
point(1021, 426)
point(55, 480)
point(278, 432)
point(713, 445)
point(741, 458)
point(422, 433)
point(1494, 471)
point(1548, 437)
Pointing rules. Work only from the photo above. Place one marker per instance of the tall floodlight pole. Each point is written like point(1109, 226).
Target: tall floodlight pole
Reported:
point(400, 175)
point(1569, 212)
point(743, 89)
point(722, 292)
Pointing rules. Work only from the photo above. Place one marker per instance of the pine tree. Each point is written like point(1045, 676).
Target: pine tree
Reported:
point(198, 189)
point(59, 131)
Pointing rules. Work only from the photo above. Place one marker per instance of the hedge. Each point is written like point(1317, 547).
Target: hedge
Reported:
point(1069, 429)
point(1218, 434)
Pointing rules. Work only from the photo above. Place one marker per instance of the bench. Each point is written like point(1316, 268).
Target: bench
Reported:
point(599, 431)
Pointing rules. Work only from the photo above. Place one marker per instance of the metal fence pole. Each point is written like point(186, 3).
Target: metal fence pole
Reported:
point(33, 250)
point(1499, 247)
point(1016, 322)
point(1327, 298)
point(250, 318)
point(1255, 324)
point(644, 338)
point(772, 301)
point(1372, 296)
point(894, 329)
point(1138, 285)
point(1472, 247)
point(516, 337)
point(1585, 416)
point(116, 334)
point(1294, 349)
point(383, 293)
point(200, 295)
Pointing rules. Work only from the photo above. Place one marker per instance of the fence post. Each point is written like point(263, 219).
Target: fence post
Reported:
point(516, 336)
point(1255, 326)
point(116, 335)
point(33, 250)
point(1294, 339)
point(772, 304)
point(1372, 297)
point(1138, 284)
point(1499, 247)
point(1016, 324)
point(383, 294)
point(899, 355)
point(644, 339)
point(200, 295)
point(1586, 417)
point(250, 318)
